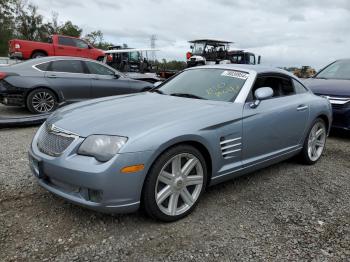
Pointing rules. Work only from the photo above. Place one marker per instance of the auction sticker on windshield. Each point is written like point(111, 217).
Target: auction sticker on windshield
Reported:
point(235, 74)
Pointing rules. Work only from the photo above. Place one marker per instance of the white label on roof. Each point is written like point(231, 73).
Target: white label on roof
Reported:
point(235, 74)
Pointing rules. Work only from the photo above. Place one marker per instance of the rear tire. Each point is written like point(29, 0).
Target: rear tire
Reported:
point(41, 101)
point(314, 143)
point(175, 183)
point(38, 55)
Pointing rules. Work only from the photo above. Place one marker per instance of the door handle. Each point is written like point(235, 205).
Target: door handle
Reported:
point(52, 76)
point(302, 107)
point(60, 47)
point(79, 50)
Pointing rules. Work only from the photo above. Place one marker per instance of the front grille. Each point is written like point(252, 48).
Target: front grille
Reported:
point(53, 144)
point(340, 106)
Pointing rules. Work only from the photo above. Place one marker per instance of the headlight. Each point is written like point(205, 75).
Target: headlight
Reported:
point(102, 147)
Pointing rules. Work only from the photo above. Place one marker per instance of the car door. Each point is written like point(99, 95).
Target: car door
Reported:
point(107, 82)
point(82, 48)
point(66, 46)
point(276, 126)
point(69, 79)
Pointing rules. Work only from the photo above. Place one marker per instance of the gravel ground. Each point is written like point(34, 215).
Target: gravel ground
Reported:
point(284, 212)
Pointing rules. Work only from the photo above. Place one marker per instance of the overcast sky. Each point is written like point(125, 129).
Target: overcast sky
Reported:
point(283, 32)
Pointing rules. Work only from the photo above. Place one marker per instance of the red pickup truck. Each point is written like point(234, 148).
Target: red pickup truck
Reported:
point(58, 45)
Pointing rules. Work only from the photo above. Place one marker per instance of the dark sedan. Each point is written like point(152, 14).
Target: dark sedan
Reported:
point(43, 84)
point(334, 82)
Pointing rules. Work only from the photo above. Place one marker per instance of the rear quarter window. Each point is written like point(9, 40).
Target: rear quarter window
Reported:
point(43, 67)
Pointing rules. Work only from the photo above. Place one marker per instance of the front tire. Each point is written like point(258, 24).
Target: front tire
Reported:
point(315, 142)
point(175, 183)
point(41, 101)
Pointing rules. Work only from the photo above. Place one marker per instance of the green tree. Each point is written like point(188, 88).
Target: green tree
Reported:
point(96, 39)
point(6, 24)
point(69, 29)
point(29, 24)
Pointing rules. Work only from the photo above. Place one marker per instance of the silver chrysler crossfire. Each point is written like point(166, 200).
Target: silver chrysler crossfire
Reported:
point(161, 149)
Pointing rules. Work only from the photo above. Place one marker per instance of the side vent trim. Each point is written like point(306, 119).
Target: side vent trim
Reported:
point(230, 148)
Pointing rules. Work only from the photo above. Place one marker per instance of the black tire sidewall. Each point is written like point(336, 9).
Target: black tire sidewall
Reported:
point(38, 55)
point(148, 196)
point(304, 153)
point(30, 96)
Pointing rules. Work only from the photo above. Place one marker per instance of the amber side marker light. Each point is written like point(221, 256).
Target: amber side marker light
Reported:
point(132, 169)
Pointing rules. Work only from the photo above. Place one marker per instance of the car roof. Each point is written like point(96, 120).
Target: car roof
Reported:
point(210, 41)
point(41, 60)
point(54, 58)
point(259, 69)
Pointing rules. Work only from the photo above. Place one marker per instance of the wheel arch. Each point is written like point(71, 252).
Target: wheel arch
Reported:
point(326, 120)
point(38, 51)
point(43, 87)
point(199, 145)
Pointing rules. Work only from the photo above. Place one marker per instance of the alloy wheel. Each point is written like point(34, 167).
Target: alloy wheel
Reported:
point(43, 102)
point(316, 141)
point(179, 184)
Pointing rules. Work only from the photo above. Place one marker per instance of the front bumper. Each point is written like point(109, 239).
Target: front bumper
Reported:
point(341, 118)
point(86, 182)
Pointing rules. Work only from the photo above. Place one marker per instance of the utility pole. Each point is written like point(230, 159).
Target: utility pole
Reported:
point(153, 46)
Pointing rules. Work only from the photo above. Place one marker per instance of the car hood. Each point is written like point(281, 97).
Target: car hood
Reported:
point(130, 115)
point(330, 87)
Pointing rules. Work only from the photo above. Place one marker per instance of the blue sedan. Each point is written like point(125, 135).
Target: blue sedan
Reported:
point(161, 149)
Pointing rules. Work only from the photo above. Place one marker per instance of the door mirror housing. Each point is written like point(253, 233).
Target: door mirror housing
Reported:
point(158, 83)
point(263, 93)
point(260, 94)
point(116, 76)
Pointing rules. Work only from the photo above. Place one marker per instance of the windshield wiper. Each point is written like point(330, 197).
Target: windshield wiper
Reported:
point(187, 95)
point(321, 78)
point(156, 91)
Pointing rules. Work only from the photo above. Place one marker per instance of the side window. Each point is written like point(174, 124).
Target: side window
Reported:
point(67, 66)
point(66, 41)
point(98, 69)
point(252, 59)
point(43, 67)
point(281, 86)
point(299, 88)
point(236, 59)
point(80, 43)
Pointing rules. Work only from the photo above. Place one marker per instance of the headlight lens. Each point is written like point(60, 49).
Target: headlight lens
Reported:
point(102, 147)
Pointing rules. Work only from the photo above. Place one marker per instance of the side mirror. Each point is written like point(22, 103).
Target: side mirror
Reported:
point(116, 76)
point(191, 47)
point(260, 94)
point(157, 83)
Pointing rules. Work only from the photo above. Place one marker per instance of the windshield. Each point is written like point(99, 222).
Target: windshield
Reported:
point(337, 70)
point(198, 48)
point(134, 56)
point(210, 84)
